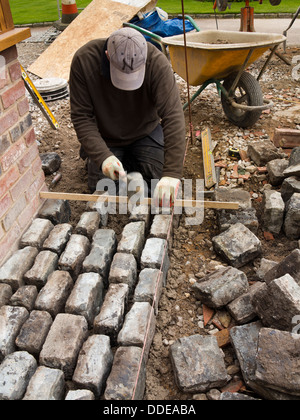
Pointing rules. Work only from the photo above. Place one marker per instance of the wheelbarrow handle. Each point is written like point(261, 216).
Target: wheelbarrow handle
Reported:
point(293, 20)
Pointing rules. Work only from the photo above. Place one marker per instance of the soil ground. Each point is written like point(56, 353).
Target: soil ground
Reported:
point(192, 255)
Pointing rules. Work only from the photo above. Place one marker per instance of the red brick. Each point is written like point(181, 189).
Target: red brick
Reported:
point(36, 165)
point(30, 137)
point(29, 213)
point(35, 187)
point(13, 213)
point(8, 180)
point(10, 96)
point(207, 314)
point(10, 243)
point(5, 203)
point(23, 107)
point(13, 154)
point(15, 71)
point(22, 184)
point(28, 158)
point(4, 77)
point(8, 120)
point(10, 54)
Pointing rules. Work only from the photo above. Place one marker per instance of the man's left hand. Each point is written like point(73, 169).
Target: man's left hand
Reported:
point(166, 191)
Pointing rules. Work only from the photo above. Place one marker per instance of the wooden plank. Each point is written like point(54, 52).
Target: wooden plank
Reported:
point(148, 201)
point(13, 37)
point(7, 22)
point(98, 20)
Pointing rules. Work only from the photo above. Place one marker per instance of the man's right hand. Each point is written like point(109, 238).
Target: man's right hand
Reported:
point(113, 168)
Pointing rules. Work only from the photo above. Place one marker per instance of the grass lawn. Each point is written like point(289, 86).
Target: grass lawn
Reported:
point(36, 11)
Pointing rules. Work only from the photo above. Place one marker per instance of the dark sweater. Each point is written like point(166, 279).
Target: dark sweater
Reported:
point(104, 116)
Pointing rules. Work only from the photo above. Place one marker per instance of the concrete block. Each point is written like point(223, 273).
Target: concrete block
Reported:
point(132, 239)
point(53, 296)
point(80, 395)
point(37, 233)
point(149, 287)
point(57, 211)
point(101, 207)
point(141, 213)
point(63, 343)
point(58, 238)
point(46, 385)
point(88, 224)
point(16, 266)
point(127, 379)
point(110, 319)
point(221, 287)
point(74, 254)
point(45, 263)
point(94, 364)
point(15, 374)
point(238, 245)
point(11, 320)
point(198, 364)
point(123, 270)
point(139, 325)
point(25, 296)
point(34, 332)
point(292, 218)
point(86, 297)
point(274, 207)
point(5, 294)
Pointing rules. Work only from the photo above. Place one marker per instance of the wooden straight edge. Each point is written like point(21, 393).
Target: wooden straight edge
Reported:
point(147, 201)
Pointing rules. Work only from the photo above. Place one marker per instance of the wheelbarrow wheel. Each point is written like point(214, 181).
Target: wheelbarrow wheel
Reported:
point(247, 92)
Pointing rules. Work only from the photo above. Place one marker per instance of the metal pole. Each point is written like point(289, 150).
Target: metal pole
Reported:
point(58, 9)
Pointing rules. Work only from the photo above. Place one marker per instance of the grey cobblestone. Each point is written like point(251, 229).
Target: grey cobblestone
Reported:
point(34, 332)
point(73, 256)
point(37, 233)
point(46, 385)
point(88, 224)
point(72, 291)
point(54, 294)
point(94, 364)
point(86, 297)
point(15, 374)
point(11, 321)
point(45, 263)
point(13, 270)
point(25, 296)
point(111, 316)
point(123, 270)
point(133, 239)
point(63, 343)
point(5, 294)
point(127, 367)
point(58, 238)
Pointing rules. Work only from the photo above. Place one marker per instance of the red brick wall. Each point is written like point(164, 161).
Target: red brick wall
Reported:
point(21, 175)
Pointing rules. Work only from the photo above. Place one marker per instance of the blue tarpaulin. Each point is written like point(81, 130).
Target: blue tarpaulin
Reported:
point(155, 24)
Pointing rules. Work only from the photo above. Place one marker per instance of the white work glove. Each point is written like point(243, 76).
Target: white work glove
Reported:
point(166, 191)
point(113, 168)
